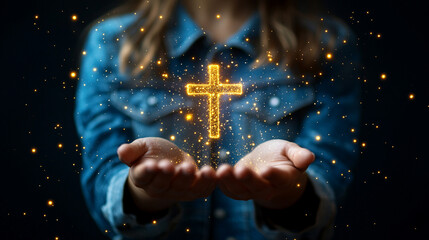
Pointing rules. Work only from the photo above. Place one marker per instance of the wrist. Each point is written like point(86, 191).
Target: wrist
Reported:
point(288, 197)
point(142, 201)
point(300, 215)
point(144, 208)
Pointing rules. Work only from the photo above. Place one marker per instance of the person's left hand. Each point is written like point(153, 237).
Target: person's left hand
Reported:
point(273, 174)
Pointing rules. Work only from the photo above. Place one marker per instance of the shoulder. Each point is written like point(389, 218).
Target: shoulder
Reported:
point(336, 34)
point(109, 31)
point(332, 30)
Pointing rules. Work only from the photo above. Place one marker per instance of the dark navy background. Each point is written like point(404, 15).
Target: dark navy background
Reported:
point(37, 56)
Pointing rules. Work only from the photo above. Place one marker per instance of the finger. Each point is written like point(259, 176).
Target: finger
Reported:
point(204, 183)
point(300, 157)
point(251, 180)
point(143, 173)
point(184, 178)
point(279, 176)
point(161, 182)
point(226, 177)
point(128, 153)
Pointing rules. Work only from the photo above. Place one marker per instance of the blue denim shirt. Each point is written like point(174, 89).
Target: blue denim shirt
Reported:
point(320, 113)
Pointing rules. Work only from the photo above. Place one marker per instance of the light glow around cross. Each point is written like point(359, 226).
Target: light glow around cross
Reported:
point(214, 89)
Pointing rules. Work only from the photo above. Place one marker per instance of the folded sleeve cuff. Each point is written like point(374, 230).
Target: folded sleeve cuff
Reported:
point(125, 225)
point(322, 229)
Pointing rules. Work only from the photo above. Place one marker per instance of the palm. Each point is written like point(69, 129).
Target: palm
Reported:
point(272, 174)
point(161, 170)
point(159, 149)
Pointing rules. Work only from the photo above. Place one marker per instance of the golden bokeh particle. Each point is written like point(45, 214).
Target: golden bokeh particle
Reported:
point(73, 74)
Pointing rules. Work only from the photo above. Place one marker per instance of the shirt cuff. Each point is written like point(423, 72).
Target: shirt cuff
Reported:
point(323, 227)
point(125, 225)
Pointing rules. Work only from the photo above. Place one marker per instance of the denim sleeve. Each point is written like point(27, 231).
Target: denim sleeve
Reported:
point(329, 130)
point(102, 129)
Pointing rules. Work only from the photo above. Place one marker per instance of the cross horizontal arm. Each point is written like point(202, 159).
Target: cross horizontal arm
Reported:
point(198, 89)
point(204, 89)
point(235, 89)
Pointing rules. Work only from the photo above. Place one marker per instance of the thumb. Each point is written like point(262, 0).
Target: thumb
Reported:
point(128, 153)
point(300, 157)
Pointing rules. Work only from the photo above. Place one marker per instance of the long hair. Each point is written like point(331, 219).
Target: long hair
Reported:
point(285, 35)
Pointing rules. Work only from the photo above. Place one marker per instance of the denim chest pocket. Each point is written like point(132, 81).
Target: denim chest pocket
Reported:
point(146, 106)
point(271, 104)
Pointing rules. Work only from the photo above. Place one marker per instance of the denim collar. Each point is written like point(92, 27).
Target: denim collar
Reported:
point(183, 32)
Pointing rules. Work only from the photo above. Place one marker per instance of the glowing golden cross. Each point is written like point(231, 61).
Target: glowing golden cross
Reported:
point(214, 89)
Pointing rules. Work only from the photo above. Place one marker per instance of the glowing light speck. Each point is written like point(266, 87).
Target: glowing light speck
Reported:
point(73, 74)
point(189, 117)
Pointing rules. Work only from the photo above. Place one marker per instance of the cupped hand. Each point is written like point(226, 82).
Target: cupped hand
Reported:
point(273, 174)
point(162, 174)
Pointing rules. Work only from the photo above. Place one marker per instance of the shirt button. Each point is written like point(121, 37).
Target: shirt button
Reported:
point(152, 101)
point(219, 213)
point(274, 101)
point(223, 154)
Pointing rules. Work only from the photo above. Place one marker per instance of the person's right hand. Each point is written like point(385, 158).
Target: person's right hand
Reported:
point(161, 174)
